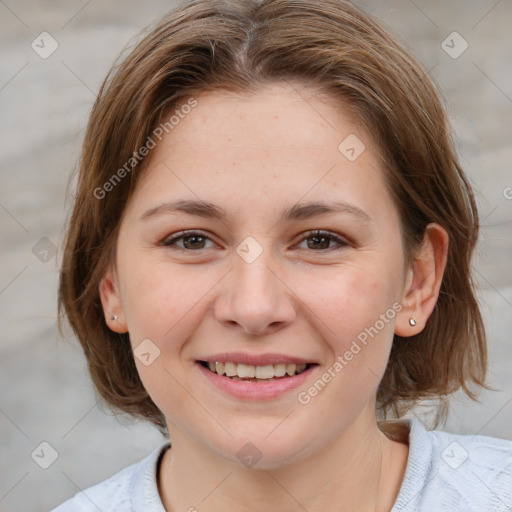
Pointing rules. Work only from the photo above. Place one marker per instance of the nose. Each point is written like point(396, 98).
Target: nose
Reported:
point(255, 296)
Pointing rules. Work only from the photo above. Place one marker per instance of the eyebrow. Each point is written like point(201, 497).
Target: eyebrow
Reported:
point(296, 212)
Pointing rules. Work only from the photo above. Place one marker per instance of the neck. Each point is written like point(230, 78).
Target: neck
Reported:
point(344, 476)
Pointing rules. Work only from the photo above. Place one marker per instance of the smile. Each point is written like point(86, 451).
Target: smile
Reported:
point(248, 372)
point(270, 379)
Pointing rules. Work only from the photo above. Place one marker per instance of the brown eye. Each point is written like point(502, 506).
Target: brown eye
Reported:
point(321, 240)
point(192, 240)
point(195, 240)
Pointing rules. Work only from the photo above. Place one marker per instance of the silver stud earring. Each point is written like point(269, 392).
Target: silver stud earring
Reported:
point(412, 322)
point(113, 317)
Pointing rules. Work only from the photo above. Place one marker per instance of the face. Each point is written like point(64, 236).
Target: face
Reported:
point(263, 279)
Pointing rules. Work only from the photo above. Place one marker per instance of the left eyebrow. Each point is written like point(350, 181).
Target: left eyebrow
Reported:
point(295, 212)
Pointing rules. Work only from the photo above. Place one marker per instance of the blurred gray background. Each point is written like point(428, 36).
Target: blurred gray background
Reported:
point(46, 394)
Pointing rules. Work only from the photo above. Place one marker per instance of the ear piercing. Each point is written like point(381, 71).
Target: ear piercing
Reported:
point(412, 322)
point(114, 317)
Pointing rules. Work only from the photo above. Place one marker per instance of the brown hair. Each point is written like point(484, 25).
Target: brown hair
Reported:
point(238, 46)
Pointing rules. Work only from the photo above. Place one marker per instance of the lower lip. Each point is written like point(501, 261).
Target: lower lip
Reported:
point(253, 389)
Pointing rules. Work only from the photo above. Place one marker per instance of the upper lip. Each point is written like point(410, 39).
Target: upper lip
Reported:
point(255, 360)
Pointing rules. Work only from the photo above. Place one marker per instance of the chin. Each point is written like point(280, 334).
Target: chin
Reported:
point(264, 453)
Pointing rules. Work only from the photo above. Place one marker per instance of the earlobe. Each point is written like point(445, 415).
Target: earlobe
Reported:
point(423, 282)
point(111, 302)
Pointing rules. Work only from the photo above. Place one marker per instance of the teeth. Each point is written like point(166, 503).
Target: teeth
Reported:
point(219, 368)
point(279, 370)
point(248, 371)
point(230, 369)
point(300, 368)
point(290, 369)
point(264, 372)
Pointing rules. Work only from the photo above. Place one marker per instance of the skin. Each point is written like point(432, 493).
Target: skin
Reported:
point(255, 155)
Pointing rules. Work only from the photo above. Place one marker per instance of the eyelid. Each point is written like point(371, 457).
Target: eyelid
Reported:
point(166, 242)
point(340, 240)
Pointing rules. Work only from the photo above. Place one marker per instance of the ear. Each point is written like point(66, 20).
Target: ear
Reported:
point(423, 281)
point(111, 301)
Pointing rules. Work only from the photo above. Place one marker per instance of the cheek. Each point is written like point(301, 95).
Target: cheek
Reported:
point(164, 305)
point(160, 299)
point(356, 311)
point(349, 301)
point(355, 316)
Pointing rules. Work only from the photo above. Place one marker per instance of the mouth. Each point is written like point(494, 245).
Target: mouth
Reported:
point(253, 373)
point(256, 377)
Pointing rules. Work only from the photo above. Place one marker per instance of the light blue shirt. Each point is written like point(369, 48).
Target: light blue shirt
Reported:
point(445, 472)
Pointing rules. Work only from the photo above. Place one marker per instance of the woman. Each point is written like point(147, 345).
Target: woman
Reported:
point(269, 252)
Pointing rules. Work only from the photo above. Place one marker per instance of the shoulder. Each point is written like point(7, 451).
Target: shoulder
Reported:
point(111, 494)
point(476, 470)
point(118, 493)
point(466, 473)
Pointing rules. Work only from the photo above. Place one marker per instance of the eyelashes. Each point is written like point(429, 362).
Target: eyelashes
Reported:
point(172, 241)
point(197, 237)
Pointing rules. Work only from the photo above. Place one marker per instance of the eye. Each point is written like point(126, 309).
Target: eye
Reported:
point(195, 240)
point(191, 240)
point(321, 240)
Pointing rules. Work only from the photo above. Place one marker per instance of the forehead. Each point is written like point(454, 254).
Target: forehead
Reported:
point(277, 117)
point(283, 142)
